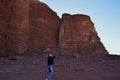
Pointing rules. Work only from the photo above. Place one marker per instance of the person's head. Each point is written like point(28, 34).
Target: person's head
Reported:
point(50, 55)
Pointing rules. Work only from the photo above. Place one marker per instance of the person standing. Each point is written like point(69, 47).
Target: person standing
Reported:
point(50, 63)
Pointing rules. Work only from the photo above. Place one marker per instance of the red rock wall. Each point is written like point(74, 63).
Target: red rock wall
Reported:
point(3, 20)
point(18, 28)
point(14, 19)
point(29, 26)
point(44, 25)
point(77, 33)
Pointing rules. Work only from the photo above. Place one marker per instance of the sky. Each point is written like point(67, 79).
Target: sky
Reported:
point(105, 15)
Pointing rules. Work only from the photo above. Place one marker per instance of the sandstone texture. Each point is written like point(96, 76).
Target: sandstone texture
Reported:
point(77, 33)
point(14, 21)
point(44, 26)
point(30, 26)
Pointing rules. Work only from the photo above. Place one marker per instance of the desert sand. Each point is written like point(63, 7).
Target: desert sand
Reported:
point(68, 66)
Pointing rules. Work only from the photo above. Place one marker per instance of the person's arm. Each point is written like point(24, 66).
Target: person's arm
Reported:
point(53, 57)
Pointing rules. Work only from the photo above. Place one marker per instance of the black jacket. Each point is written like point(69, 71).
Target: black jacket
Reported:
point(51, 60)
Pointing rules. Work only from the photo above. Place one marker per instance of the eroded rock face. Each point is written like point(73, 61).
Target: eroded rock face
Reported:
point(77, 33)
point(44, 26)
point(15, 25)
point(4, 4)
point(29, 26)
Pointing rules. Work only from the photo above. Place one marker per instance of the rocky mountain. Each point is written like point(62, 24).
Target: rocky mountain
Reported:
point(30, 26)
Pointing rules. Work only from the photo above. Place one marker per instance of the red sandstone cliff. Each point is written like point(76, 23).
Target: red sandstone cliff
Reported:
point(77, 33)
point(14, 21)
point(31, 26)
point(44, 25)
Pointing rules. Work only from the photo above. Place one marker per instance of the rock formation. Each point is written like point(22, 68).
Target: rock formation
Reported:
point(14, 20)
point(77, 33)
point(29, 26)
point(44, 26)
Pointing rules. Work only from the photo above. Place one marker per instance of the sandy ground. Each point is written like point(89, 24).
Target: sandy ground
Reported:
point(66, 67)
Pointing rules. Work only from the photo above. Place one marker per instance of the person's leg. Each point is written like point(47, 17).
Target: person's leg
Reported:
point(50, 72)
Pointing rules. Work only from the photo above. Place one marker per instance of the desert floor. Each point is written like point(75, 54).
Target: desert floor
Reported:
point(66, 67)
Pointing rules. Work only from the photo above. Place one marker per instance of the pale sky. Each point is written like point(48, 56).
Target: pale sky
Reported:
point(105, 15)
